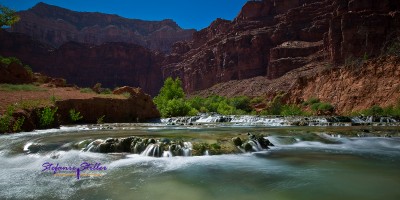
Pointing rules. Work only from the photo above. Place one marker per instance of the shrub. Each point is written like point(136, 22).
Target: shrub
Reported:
point(106, 91)
point(292, 110)
point(256, 100)
point(126, 95)
point(47, 117)
point(100, 120)
point(75, 116)
point(176, 107)
point(375, 110)
point(5, 120)
point(311, 101)
point(225, 109)
point(87, 90)
point(241, 102)
point(322, 107)
point(17, 126)
point(8, 60)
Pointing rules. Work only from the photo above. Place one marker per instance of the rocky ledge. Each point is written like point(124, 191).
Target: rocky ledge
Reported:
point(164, 147)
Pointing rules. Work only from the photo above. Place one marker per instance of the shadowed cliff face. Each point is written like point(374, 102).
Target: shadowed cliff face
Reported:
point(55, 26)
point(112, 64)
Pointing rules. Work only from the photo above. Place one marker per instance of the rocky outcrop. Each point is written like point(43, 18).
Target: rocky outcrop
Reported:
point(15, 73)
point(55, 26)
point(112, 64)
point(139, 107)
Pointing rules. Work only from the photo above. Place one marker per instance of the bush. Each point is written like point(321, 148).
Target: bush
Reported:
point(5, 120)
point(74, 116)
point(256, 100)
point(375, 110)
point(87, 90)
point(8, 60)
point(311, 101)
point(176, 107)
point(106, 91)
point(322, 107)
point(126, 95)
point(292, 110)
point(17, 126)
point(47, 117)
point(241, 102)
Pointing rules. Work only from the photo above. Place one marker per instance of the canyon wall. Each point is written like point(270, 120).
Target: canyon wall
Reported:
point(55, 26)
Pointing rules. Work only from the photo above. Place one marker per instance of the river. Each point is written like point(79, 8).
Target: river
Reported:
point(304, 163)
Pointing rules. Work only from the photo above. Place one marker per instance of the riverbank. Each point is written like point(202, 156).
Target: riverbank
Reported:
point(48, 106)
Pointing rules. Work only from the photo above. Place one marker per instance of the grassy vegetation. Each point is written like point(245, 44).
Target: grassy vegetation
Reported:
point(47, 117)
point(21, 87)
point(74, 115)
point(375, 110)
point(5, 120)
point(87, 90)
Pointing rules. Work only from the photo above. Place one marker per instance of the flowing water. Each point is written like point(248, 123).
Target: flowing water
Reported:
point(305, 163)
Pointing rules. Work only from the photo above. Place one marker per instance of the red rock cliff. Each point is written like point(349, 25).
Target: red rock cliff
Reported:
point(55, 26)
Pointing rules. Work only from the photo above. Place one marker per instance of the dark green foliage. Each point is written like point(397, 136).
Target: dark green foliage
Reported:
point(47, 117)
point(7, 16)
point(311, 101)
point(8, 60)
point(256, 100)
point(394, 47)
point(106, 91)
point(292, 110)
point(87, 90)
point(17, 126)
point(241, 103)
point(74, 115)
point(176, 107)
point(5, 120)
point(322, 107)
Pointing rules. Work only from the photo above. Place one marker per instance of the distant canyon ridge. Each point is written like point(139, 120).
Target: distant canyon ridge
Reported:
point(271, 46)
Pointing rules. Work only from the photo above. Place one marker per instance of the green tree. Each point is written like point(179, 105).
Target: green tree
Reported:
point(170, 101)
point(7, 16)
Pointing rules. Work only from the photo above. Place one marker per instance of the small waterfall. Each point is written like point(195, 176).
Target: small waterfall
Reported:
point(206, 153)
point(93, 146)
point(187, 149)
point(255, 145)
point(153, 150)
point(168, 153)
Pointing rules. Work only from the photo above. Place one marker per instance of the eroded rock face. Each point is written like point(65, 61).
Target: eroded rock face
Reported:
point(56, 26)
point(362, 28)
point(251, 45)
point(139, 107)
point(353, 88)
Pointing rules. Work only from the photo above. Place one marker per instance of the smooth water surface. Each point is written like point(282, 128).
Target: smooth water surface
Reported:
point(305, 163)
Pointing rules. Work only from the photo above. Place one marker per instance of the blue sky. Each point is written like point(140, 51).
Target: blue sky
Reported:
point(196, 14)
